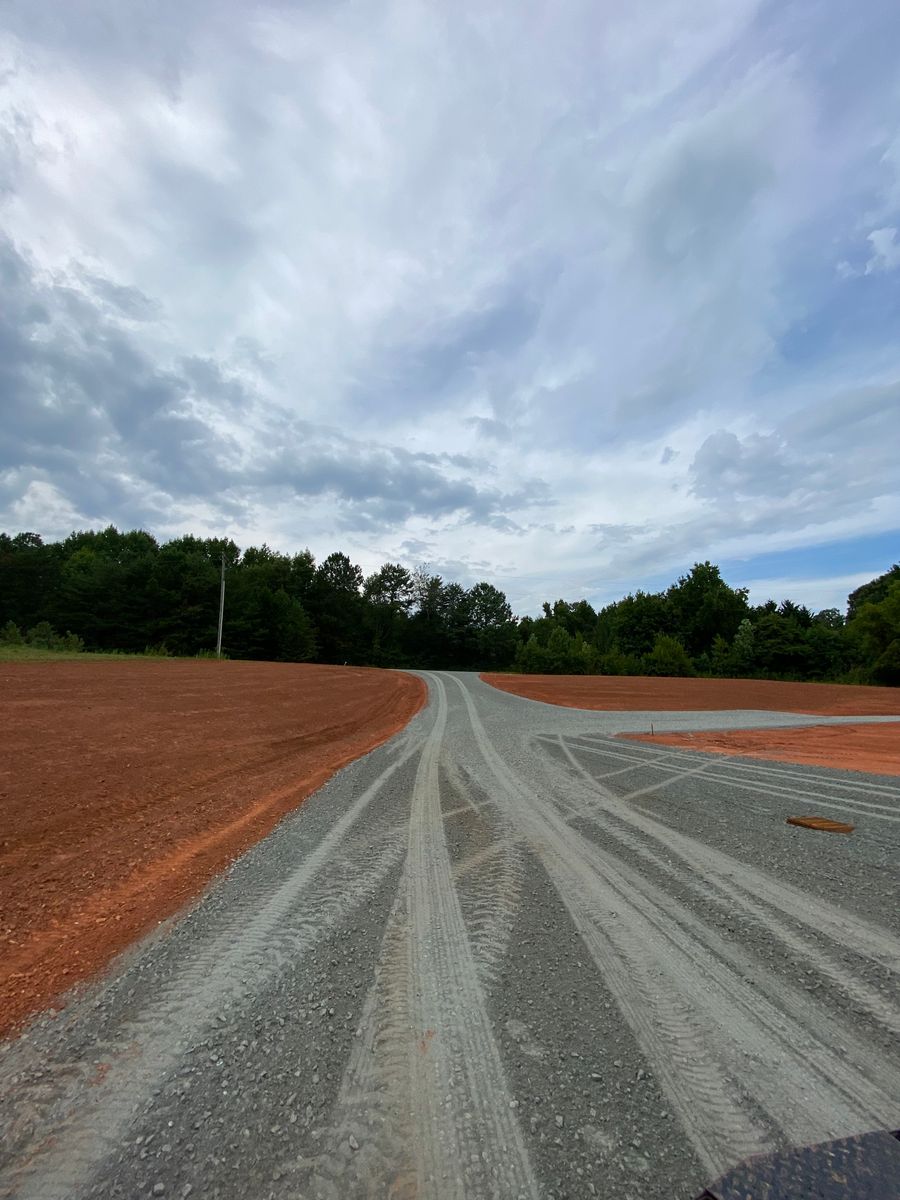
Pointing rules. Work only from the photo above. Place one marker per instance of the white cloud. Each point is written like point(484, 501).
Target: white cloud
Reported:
point(826, 592)
point(472, 278)
point(886, 256)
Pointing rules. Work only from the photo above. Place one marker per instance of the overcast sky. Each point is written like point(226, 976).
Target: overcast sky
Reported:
point(562, 295)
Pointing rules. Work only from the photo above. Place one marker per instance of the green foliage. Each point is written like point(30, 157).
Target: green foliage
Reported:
point(875, 628)
point(737, 658)
point(614, 662)
point(44, 637)
point(872, 592)
point(858, 675)
point(160, 650)
point(390, 594)
point(336, 609)
point(700, 625)
point(126, 593)
point(633, 624)
point(668, 657)
point(564, 654)
point(703, 607)
point(490, 618)
point(531, 657)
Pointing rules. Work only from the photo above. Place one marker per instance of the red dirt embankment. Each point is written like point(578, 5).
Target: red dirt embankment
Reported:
point(874, 748)
point(126, 786)
point(643, 693)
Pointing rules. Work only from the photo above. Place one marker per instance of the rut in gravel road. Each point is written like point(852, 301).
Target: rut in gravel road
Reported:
point(504, 955)
point(737, 1068)
point(424, 1096)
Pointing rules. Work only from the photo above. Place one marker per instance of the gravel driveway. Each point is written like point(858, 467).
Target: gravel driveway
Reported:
point(503, 955)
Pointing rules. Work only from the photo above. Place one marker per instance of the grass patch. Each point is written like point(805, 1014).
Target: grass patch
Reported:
point(24, 653)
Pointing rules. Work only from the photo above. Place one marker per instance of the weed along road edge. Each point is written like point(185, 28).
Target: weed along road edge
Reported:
point(505, 954)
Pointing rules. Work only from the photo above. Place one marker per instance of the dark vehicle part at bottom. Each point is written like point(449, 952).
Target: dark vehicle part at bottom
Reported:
point(865, 1167)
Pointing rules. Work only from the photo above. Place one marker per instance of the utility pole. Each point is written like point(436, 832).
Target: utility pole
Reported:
point(221, 609)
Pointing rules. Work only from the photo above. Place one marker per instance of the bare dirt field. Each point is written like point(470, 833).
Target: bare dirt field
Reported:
point(126, 786)
point(874, 748)
point(642, 693)
point(860, 747)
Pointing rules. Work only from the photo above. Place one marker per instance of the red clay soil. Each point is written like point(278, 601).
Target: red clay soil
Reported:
point(639, 693)
point(860, 747)
point(126, 786)
point(874, 748)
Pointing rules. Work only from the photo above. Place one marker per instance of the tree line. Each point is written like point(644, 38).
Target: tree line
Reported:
point(701, 626)
point(124, 591)
point(128, 592)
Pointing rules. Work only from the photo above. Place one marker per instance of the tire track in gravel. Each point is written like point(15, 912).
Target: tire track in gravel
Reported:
point(886, 812)
point(697, 1019)
point(866, 1062)
point(81, 1119)
point(846, 784)
point(664, 1026)
point(424, 1108)
point(711, 876)
point(848, 931)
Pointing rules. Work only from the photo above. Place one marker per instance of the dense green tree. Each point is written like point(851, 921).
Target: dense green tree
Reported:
point(632, 625)
point(872, 592)
point(831, 618)
point(829, 651)
point(876, 629)
point(336, 608)
point(780, 648)
point(491, 619)
point(426, 628)
point(29, 570)
point(574, 618)
point(560, 652)
point(703, 607)
point(124, 591)
point(458, 625)
point(390, 594)
point(668, 657)
point(532, 658)
point(737, 658)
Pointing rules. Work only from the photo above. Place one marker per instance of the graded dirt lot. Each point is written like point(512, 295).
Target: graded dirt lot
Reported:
point(641, 693)
point(864, 747)
point(126, 786)
point(873, 748)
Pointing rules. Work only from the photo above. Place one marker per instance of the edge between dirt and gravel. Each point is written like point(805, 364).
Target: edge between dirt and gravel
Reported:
point(864, 744)
point(117, 850)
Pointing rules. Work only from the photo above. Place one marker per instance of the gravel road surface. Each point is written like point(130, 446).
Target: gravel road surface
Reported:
point(504, 955)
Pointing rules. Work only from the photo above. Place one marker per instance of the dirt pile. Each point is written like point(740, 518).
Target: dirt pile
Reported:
point(126, 786)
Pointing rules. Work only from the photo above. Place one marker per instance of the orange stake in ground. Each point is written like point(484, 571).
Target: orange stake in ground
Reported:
point(126, 786)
